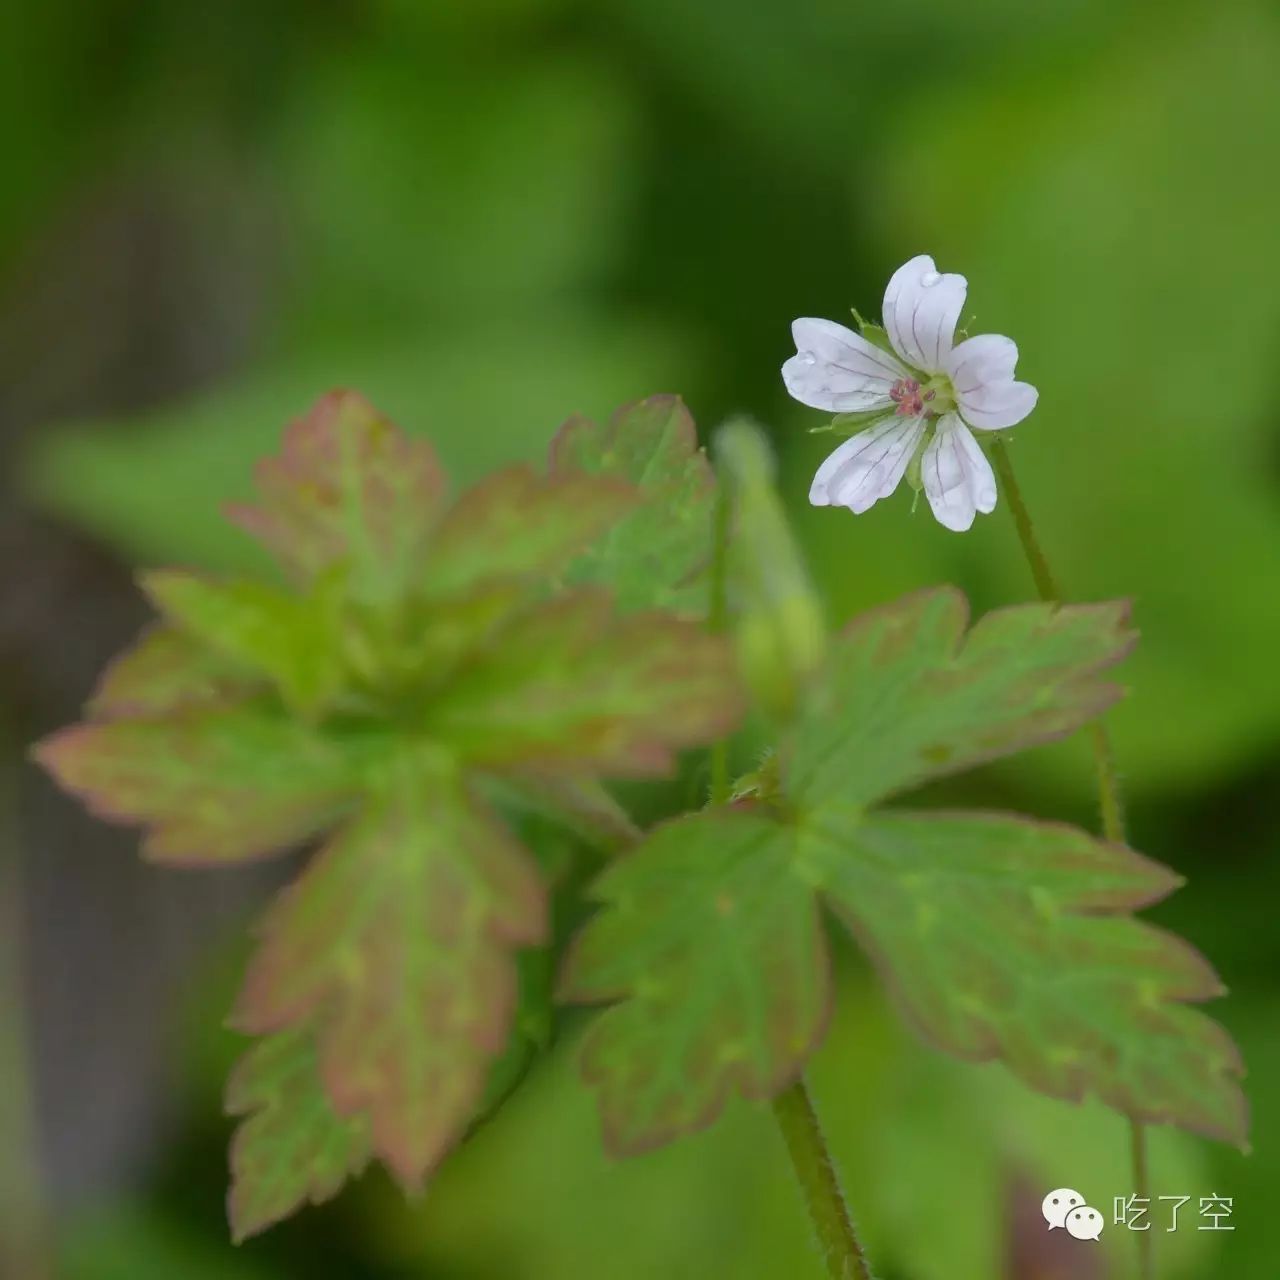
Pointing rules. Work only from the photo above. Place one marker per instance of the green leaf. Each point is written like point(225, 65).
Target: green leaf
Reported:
point(909, 695)
point(165, 670)
point(657, 555)
point(711, 945)
point(215, 784)
point(571, 688)
point(517, 524)
point(1002, 937)
point(292, 1148)
point(348, 491)
point(398, 941)
point(582, 805)
point(1007, 938)
point(421, 670)
point(291, 639)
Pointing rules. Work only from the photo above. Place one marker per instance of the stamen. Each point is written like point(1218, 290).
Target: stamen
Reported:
point(905, 393)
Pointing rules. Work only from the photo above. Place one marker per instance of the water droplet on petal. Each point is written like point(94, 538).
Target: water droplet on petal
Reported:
point(806, 357)
point(929, 279)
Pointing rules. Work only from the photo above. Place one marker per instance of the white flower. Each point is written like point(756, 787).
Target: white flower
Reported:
point(932, 392)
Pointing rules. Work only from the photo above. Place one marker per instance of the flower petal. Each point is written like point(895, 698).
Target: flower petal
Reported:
point(838, 370)
point(868, 466)
point(921, 311)
point(958, 480)
point(981, 371)
point(996, 407)
point(979, 361)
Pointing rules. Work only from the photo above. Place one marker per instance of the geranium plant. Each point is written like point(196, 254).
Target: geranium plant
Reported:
point(434, 679)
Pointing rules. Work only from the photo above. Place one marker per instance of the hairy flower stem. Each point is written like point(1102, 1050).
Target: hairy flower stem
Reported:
point(820, 1184)
point(1109, 798)
point(815, 1170)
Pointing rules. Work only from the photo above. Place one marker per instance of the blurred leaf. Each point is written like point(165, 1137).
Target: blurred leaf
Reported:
point(292, 1148)
point(583, 805)
point(712, 947)
point(163, 671)
point(575, 689)
point(423, 898)
point(1000, 937)
point(347, 491)
point(657, 556)
point(215, 784)
point(798, 62)
point(517, 524)
point(264, 631)
point(465, 19)
point(47, 83)
point(396, 947)
point(515, 202)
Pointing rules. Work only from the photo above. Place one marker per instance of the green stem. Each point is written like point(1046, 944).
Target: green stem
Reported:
point(793, 1107)
point(820, 1184)
point(1046, 584)
point(1110, 802)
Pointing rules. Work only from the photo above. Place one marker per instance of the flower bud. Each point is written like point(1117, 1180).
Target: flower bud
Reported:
point(778, 622)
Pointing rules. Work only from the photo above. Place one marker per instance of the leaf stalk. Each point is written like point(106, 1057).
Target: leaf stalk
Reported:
point(820, 1184)
point(793, 1108)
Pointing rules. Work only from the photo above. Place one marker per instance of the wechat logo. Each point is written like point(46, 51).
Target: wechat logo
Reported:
point(1066, 1208)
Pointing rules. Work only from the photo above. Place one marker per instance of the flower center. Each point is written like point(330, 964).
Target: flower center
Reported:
point(934, 398)
point(909, 398)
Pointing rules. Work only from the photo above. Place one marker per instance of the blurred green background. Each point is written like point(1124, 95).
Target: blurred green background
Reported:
point(487, 215)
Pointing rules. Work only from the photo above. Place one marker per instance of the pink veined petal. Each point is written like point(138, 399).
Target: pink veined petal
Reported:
point(868, 466)
point(980, 361)
point(921, 310)
point(997, 405)
point(981, 371)
point(838, 370)
point(957, 477)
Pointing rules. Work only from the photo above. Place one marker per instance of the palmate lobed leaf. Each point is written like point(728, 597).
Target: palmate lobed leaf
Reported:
point(348, 490)
point(350, 494)
point(573, 689)
point(713, 948)
point(163, 671)
point(1001, 937)
point(1006, 938)
point(656, 555)
point(517, 524)
point(290, 639)
point(215, 783)
point(422, 660)
point(928, 698)
point(396, 943)
point(292, 1148)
